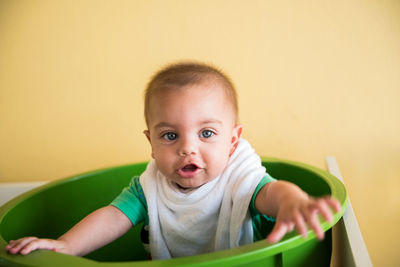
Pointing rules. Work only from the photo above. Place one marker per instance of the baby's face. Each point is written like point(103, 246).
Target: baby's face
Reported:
point(192, 133)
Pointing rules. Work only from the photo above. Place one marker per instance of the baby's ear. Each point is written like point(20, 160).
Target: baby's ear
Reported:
point(147, 134)
point(236, 134)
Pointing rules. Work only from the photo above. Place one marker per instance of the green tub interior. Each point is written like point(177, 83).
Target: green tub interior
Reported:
point(52, 209)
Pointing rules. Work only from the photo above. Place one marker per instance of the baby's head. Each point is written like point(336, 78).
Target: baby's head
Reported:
point(191, 114)
point(179, 76)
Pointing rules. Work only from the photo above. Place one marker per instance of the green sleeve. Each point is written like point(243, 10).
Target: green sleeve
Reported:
point(132, 202)
point(265, 180)
point(262, 224)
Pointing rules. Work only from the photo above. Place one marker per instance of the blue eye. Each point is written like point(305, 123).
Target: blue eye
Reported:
point(170, 136)
point(206, 134)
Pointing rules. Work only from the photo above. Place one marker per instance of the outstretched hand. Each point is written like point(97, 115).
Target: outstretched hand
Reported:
point(300, 213)
point(89, 234)
point(27, 244)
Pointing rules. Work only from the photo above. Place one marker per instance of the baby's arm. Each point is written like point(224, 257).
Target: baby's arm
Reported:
point(293, 208)
point(94, 231)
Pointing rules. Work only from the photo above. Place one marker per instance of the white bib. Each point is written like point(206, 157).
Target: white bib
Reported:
point(212, 217)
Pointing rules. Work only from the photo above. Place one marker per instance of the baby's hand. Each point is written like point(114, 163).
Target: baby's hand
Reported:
point(298, 213)
point(27, 244)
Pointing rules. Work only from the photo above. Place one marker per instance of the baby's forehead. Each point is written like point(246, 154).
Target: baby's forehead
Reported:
point(204, 87)
point(167, 96)
point(158, 92)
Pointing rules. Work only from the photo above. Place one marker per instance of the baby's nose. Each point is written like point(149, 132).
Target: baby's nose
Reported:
point(187, 148)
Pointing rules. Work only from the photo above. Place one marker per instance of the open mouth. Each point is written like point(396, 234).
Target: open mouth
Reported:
point(189, 168)
point(189, 171)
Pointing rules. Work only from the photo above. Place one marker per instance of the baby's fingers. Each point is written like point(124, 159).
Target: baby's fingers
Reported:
point(324, 209)
point(334, 203)
point(301, 225)
point(324, 205)
point(38, 244)
point(27, 244)
point(278, 232)
point(314, 223)
point(15, 246)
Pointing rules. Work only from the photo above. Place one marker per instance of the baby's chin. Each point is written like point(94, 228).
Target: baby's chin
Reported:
point(191, 185)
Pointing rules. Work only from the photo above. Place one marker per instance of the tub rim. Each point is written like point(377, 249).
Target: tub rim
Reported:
point(256, 250)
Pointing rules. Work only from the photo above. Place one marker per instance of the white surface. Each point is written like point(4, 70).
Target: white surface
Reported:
point(359, 253)
point(10, 190)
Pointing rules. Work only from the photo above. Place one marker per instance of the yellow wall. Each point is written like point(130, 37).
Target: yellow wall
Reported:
point(314, 77)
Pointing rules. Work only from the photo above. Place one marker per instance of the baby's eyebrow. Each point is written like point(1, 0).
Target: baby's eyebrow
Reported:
point(204, 122)
point(163, 124)
point(211, 121)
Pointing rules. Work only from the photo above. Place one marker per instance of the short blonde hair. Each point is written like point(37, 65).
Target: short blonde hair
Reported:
point(181, 74)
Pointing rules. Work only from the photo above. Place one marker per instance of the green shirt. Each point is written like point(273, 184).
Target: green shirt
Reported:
point(132, 203)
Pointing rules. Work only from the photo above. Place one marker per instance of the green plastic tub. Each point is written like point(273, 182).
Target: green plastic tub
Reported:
point(50, 210)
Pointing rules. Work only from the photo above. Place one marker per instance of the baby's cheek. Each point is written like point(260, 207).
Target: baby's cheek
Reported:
point(220, 163)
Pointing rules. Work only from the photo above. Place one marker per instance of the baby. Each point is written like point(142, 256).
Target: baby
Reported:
point(205, 185)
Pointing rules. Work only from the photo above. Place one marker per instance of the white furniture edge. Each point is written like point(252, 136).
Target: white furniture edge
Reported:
point(9, 191)
point(347, 228)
